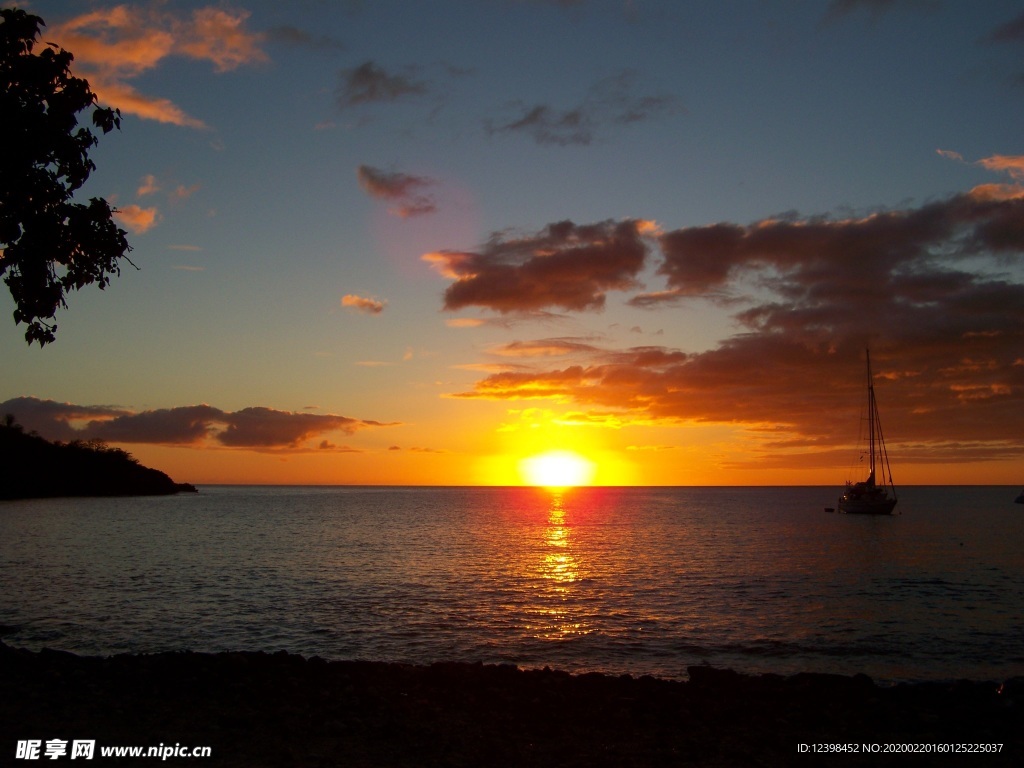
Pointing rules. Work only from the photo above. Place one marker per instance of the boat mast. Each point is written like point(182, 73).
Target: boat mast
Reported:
point(871, 421)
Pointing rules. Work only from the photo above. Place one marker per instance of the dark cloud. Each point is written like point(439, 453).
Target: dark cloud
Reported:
point(549, 126)
point(557, 3)
point(169, 426)
point(612, 101)
point(300, 38)
point(369, 83)
point(838, 9)
point(566, 265)
point(1010, 32)
point(53, 420)
point(936, 291)
point(257, 428)
point(402, 189)
point(838, 275)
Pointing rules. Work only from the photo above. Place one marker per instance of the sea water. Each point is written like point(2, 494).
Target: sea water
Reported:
point(617, 580)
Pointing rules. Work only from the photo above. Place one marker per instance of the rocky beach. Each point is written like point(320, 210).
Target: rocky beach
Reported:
point(257, 709)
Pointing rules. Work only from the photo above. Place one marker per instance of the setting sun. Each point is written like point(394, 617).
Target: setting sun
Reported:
point(557, 469)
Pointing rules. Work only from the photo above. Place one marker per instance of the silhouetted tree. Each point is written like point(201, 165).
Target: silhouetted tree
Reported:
point(51, 244)
point(31, 467)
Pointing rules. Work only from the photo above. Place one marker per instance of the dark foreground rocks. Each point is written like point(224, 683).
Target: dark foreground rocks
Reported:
point(257, 709)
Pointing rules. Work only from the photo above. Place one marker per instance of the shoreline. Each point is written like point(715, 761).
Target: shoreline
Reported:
point(261, 709)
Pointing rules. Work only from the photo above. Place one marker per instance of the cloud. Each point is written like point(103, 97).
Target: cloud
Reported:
point(218, 35)
point(364, 304)
point(400, 188)
point(114, 45)
point(611, 101)
point(136, 218)
point(566, 265)
point(151, 185)
point(1010, 164)
point(181, 192)
point(256, 428)
point(187, 425)
point(855, 262)
point(131, 102)
point(260, 427)
point(544, 348)
point(997, 192)
point(54, 420)
point(369, 83)
point(300, 38)
point(838, 9)
point(1010, 32)
point(936, 291)
point(148, 186)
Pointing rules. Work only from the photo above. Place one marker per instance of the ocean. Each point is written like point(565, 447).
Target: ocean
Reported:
point(616, 580)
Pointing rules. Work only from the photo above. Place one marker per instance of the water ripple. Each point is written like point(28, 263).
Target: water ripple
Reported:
point(645, 581)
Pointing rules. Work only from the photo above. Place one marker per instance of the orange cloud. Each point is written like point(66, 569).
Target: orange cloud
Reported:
point(116, 44)
point(148, 186)
point(181, 192)
point(365, 304)
point(997, 192)
point(1011, 164)
point(218, 35)
point(137, 219)
point(131, 102)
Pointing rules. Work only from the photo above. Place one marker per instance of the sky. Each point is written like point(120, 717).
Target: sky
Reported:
point(421, 242)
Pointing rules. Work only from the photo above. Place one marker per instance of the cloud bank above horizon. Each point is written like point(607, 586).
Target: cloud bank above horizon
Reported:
point(254, 428)
point(935, 291)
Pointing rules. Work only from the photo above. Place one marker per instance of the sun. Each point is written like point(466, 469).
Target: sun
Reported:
point(557, 469)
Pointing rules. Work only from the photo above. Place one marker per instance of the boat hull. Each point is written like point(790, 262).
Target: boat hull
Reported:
point(883, 506)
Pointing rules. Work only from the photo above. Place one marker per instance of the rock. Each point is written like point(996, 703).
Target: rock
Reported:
point(278, 709)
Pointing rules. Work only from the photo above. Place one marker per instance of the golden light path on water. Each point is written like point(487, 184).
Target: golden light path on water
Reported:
point(560, 571)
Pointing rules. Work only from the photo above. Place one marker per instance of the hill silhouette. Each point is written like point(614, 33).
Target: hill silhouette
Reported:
point(32, 467)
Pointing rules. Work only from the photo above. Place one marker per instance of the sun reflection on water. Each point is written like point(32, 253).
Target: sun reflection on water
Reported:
point(560, 566)
point(558, 609)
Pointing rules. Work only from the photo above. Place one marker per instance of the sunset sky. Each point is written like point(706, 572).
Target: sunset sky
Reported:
point(418, 242)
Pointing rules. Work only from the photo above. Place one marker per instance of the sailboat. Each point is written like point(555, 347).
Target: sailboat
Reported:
point(870, 497)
